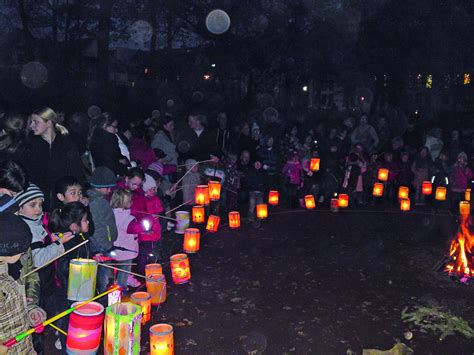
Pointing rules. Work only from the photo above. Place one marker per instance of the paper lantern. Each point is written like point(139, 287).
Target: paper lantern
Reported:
point(201, 195)
point(427, 188)
point(440, 193)
point(383, 174)
point(464, 208)
point(114, 296)
point(191, 240)
point(467, 195)
point(378, 189)
point(153, 269)
point(214, 190)
point(182, 221)
point(143, 299)
point(262, 211)
point(198, 214)
point(122, 329)
point(314, 164)
point(334, 205)
point(403, 192)
point(343, 200)
point(234, 219)
point(180, 269)
point(82, 279)
point(273, 197)
point(213, 223)
point(161, 339)
point(156, 287)
point(309, 202)
point(405, 204)
point(85, 329)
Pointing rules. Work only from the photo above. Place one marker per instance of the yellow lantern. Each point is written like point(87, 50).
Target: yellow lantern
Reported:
point(309, 202)
point(273, 197)
point(234, 219)
point(153, 269)
point(262, 211)
point(122, 329)
point(405, 204)
point(191, 240)
point(201, 195)
point(378, 189)
point(440, 194)
point(343, 200)
point(314, 164)
point(143, 299)
point(180, 269)
point(467, 195)
point(464, 208)
point(161, 339)
point(198, 214)
point(383, 174)
point(427, 188)
point(403, 192)
point(156, 287)
point(214, 190)
point(82, 279)
point(213, 223)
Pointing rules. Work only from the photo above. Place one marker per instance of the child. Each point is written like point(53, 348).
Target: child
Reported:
point(256, 183)
point(69, 189)
point(15, 239)
point(293, 172)
point(232, 182)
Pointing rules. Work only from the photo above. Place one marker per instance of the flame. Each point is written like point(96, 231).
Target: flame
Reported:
point(460, 251)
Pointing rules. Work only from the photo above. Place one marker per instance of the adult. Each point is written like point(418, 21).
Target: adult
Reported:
point(365, 134)
point(164, 140)
point(434, 142)
point(140, 151)
point(202, 142)
point(12, 181)
point(12, 137)
point(222, 133)
point(104, 145)
point(51, 154)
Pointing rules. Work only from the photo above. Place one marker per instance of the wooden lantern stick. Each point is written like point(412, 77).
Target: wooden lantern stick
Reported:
point(122, 270)
point(181, 205)
point(189, 170)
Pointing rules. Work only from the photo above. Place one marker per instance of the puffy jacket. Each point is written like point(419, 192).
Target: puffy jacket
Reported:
point(128, 228)
point(105, 233)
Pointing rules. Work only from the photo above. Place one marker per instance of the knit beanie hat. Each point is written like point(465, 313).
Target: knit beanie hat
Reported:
point(148, 183)
point(8, 204)
point(15, 235)
point(103, 177)
point(156, 166)
point(29, 194)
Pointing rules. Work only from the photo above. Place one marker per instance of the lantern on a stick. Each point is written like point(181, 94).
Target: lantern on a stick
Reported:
point(427, 188)
point(191, 240)
point(122, 329)
point(153, 269)
point(82, 279)
point(85, 328)
point(314, 164)
point(467, 195)
point(343, 200)
point(214, 190)
point(180, 269)
point(198, 214)
point(273, 197)
point(201, 195)
point(143, 299)
point(464, 208)
point(405, 204)
point(234, 219)
point(403, 192)
point(378, 189)
point(156, 287)
point(383, 174)
point(213, 223)
point(440, 194)
point(262, 211)
point(309, 202)
point(161, 339)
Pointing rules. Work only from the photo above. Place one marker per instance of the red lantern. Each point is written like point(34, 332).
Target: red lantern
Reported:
point(343, 200)
point(314, 164)
point(198, 214)
point(180, 270)
point(85, 328)
point(440, 193)
point(214, 190)
point(403, 192)
point(273, 197)
point(427, 188)
point(405, 204)
point(213, 223)
point(378, 189)
point(262, 211)
point(383, 174)
point(191, 240)
point(234, 219)
point(201, 195)
point(309, 202)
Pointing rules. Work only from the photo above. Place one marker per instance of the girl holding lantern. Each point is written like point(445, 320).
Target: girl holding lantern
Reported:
point(459, 178)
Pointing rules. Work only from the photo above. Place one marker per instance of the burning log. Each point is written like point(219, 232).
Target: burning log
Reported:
point(461, 259)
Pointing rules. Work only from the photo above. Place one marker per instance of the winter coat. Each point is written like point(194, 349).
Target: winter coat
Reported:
point(268, 157)
point(293, 171)
point(105, 151)
point(105, 233)
point(366, 135)
point(162, 141)
point(460, 178)
point(127, 228)
point(140, 151)
point(434, 145)
point(255, 180)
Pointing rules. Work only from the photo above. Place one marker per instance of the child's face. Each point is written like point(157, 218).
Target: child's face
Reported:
point(388, 158)
point(134, 182)
point(33, 208)
point(405, 158)
point(151, 191)
point(83, 226)
point(72, 194)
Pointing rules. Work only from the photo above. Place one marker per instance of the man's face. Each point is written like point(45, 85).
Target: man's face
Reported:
point(244, 157)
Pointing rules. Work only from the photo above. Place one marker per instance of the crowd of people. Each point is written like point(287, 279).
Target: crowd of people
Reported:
point(107, 181)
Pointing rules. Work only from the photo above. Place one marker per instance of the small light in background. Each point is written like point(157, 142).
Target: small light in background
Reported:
point(467, 79)
point(206, 77)
point(305, 88)
point(362, 98)
point(145, 70)
point(213, 65)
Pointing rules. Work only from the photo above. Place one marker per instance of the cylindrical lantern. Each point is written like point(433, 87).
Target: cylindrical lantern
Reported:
point(467, 195)
point(213, 223)
point(405, 204)
point(309, 202)
point(180, 270)
point(464, 208)
point(191, 240)
point(440, 193)
point(198, 214)
point(343, 200)
point(153, 269)
point(143, 299)
point(182, 221)
point(334, 205)
point(314, 164)
point(273, 197)
point(378, 189)
point(85, 328)
point(122, 329)
point(403, 192)
point(82, 279)
point(201, 195)
point(156, 287)
point(234, 219)
point(383, 174)
point(214, 190)
point(161, 339)
point(262, 211)
point(427, 188)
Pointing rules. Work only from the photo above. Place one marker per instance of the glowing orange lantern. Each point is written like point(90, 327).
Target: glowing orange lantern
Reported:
point(85, 328)
point(378, 189)
point(180, 269)
point(427, 188)
point(161, 339)
point(440, 194)
point(309, 202)
point(262, 211)
point(464, 208)
point(273, 197)
point(214, 190)
point(153, 269)
point(467, 195)
point(201, 195)
point(343, 200)
point(213, 223)
point(314, 164)
point(156, 287)
point(383, 174)
point(234, 219)
point(191, 240)
point(405, 204)
point(403, 192)
point(143, 299)
point(198, 214)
